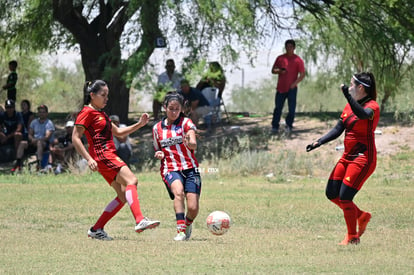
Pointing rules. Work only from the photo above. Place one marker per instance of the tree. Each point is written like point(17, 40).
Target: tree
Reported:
point(363, 35)
point(105, 30)
point(116, 37)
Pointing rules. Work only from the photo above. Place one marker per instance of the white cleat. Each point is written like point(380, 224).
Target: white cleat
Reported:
point(146, 223)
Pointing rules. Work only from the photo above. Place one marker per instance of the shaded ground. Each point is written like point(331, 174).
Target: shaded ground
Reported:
point(392, 136)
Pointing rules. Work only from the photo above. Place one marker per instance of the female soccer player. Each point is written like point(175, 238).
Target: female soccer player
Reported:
point(359, 120)
point(174, 143)
point(96, 125)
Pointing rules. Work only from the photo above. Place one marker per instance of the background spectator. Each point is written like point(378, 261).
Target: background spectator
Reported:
point(11, 81)
point(198, 104)
point(167, 81)
point(11, 123)
point(213, 77)
point(122, 143)
point(62, 149)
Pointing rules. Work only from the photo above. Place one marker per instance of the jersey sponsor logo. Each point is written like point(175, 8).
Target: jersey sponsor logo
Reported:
point(171, 141)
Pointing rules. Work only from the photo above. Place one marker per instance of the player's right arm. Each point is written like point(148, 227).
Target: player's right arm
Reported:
point(77, 142)
point(331, 135)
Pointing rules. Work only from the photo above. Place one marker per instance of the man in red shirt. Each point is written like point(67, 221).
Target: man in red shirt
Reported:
point(291, 70)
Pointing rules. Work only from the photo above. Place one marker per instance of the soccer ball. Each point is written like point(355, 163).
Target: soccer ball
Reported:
point(218, 222)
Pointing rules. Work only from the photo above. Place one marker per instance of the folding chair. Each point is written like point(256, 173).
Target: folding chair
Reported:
point(214, 116)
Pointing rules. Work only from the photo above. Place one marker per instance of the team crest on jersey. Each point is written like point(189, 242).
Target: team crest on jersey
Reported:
point(178, 130)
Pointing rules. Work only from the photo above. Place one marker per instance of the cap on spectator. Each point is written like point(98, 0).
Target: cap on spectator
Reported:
point(70, 123)
point(9, 103)
point(114, 118)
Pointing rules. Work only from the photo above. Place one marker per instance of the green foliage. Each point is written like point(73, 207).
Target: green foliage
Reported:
point(257, 97)
point(361, 36)
point(61, 85)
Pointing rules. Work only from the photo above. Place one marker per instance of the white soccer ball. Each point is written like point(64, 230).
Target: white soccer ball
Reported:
point(218, 222)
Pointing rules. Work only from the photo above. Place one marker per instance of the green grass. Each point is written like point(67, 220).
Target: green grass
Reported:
point(279, 227)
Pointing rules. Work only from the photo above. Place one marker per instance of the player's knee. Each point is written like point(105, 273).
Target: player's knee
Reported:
point(331, 190)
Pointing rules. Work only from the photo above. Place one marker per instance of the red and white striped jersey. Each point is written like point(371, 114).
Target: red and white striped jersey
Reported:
point(170, 140)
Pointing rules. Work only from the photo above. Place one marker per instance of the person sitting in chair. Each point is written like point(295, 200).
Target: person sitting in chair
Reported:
point(122, 143)
point(199, 106)
point(213, 77)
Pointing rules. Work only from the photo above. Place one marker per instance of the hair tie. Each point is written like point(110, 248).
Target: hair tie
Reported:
point(363, 83)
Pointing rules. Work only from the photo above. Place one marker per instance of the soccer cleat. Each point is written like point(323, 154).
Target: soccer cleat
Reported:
point(188, 231)
point(99, 234)
point(180, 236)
point(363, 221)
point(146, 223)
point(350, 239)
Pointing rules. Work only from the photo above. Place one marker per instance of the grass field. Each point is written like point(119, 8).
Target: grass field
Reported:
point(283, 227)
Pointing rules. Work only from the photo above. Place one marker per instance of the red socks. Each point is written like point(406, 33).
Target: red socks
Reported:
point(131, 195)
point(111, 209)
point(350, 215)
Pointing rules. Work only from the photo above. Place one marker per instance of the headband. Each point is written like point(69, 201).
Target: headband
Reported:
point(363, 83)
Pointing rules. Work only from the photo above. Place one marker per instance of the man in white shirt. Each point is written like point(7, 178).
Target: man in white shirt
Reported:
point(167, 81)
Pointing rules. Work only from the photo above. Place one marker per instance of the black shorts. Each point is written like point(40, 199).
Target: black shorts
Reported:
point(190, 178)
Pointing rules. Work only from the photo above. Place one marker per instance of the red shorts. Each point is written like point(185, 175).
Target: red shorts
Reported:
point(353, 173)
point(109, 167)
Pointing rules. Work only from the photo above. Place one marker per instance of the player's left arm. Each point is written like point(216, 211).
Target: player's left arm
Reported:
point(125, 131)
point(190, 139)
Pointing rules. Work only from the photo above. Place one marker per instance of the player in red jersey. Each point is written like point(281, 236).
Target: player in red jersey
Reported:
point(359, 120)
point(98, 129)
point(174, 143)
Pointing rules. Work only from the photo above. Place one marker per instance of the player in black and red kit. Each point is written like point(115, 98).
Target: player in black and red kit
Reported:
point(359, 120)
point(96, 125)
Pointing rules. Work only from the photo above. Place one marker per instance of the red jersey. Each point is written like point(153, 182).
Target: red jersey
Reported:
point(293, 65)
point(359, 133)
point(170, 140)
point(98, 131)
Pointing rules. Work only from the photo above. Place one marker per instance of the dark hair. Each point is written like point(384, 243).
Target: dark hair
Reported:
point(290, 41)
point(13, 63)
point(170, 61)
point(92, 87)
point(184, 82)
point(27, 102)
point(367, 80)
point(44, 107)
point(171, 96)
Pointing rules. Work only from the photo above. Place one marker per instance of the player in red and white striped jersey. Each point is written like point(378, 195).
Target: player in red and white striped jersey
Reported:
point(174, 143)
